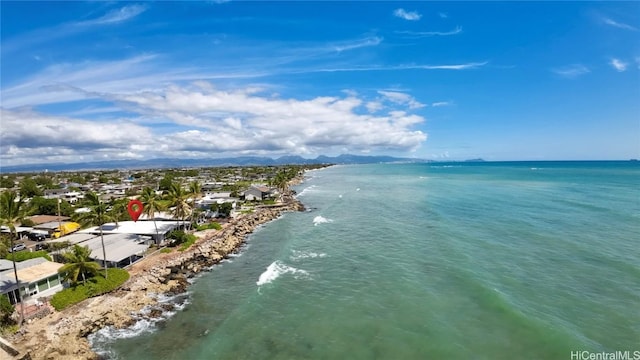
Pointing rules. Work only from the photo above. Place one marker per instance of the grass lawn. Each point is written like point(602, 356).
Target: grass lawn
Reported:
point(94, 286)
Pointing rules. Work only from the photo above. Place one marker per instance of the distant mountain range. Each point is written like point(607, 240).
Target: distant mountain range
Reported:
point(232, 161)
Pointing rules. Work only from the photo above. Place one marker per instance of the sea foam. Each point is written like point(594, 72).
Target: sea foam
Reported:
point(320, 220)
point(298, 255)
point(276, 269)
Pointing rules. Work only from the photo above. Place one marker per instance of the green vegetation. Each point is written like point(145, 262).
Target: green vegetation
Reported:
point(94, 286)
point(78, 263)
point(212, 225)
point(191, 239)
point(7, 182)
point(41, 206)
point(26, 255)
point(29, 188)
point(181, 238)
point(166, 250)
point(6, 309)
point(11, 213)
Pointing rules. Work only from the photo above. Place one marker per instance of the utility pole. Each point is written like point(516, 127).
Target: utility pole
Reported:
point(59, 217)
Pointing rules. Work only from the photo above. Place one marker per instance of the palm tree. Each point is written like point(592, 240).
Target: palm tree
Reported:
point(118, 210)
point(11, 212)
point(195, 189)
point(78, 263)
point(179, 200)
point(98, 215)
point(151, 205)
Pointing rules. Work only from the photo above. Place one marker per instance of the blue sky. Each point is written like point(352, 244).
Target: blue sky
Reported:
point(85, 81)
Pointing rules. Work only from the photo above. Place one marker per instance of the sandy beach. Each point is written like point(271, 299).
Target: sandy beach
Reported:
point(63, 335)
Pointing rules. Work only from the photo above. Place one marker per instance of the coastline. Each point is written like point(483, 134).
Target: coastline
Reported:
point(63, 335)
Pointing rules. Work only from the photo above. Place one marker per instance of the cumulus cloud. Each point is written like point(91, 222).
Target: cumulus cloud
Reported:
point(571, 71)
point(207, 121)
point(618, 64)
point(407, 15)
point(36, 137)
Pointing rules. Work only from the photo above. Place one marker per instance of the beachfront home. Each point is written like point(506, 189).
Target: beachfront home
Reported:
point(146, 229)
point(257, 192)
point(38, 278)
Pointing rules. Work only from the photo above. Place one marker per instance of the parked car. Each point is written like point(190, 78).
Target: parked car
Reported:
point(36, 237)
point(41, 247)
point(18, 247)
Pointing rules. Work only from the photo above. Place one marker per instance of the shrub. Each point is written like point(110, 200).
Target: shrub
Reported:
point(94, 286)
point(190, 239)
point(166, 250)
point(6, 309)
point(212, 225)
point(26, 255)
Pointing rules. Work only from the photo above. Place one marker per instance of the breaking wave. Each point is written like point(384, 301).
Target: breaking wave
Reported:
point(276, 269)
point(320, 220)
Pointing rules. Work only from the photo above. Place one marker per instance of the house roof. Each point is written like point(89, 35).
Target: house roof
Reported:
point(74, 238)
point(134, 227)
point(28, 271)
point(53, 225)
point(117, 247)
point(41, 219)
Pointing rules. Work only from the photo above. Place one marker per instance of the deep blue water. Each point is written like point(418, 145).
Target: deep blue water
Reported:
point(414, 261)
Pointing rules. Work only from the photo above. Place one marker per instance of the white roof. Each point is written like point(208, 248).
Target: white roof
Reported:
point(134, 227)
point(74, 238)
point(117, 246)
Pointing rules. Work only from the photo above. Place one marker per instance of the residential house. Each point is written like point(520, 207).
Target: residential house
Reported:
point(38, 278)
point(257, 192)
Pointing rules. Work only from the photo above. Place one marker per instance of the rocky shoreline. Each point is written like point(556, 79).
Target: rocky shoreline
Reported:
point(63, 335)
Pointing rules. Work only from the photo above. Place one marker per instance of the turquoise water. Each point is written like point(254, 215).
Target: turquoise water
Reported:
point(413, 261)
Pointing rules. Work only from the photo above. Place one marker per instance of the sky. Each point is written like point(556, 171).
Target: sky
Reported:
point(94, 81)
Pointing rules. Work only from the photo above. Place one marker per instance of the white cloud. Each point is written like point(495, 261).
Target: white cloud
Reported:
point(617, 24)
point(373, 106)
point(401, 98)
point(418, 34)
point(572, 71)
point(116, 16)
point(205, 120)
point(407, 15)
point(366, 42)
point(443, 15)
point(618, 64)
point(465, 66)
point(442, 103)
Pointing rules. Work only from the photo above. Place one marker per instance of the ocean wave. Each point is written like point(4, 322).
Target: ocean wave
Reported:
point(298, 255)
point(320, 220)
point(276, 269)
point(358, 189)
point(306, 190)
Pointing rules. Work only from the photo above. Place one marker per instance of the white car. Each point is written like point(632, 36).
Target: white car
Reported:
point(18, 247)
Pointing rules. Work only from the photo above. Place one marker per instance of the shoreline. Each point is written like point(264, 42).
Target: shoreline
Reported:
point(63, 335)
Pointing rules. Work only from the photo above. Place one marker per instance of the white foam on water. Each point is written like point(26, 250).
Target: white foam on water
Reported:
point(298, 255)
point(358, 189)
point(320, 220)
point(306, 190)
point(340, 196)
point(276, 269)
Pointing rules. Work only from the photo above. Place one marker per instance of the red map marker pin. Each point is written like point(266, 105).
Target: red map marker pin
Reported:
point(135, 209)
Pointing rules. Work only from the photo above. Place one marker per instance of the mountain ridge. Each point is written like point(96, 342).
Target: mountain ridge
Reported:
point(206, 162)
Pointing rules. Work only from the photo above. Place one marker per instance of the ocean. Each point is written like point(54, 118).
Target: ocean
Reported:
point(522, 260)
